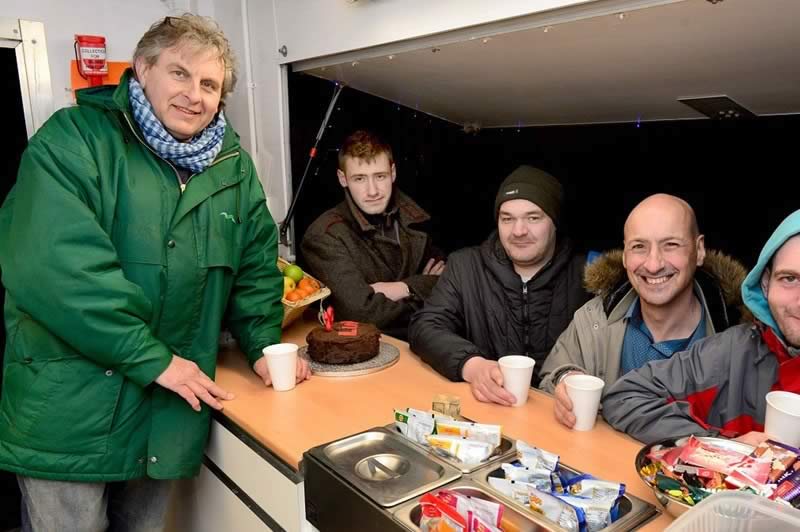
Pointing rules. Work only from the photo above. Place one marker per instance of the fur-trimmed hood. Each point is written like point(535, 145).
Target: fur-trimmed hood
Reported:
point(606, 277)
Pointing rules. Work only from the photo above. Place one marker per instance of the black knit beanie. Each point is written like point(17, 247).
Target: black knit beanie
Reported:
point(534, 185)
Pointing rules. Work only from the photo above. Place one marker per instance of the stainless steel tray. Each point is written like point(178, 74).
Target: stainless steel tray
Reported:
point(633, 512)
point(505, 449)
point(409, 514)
point(383, 466)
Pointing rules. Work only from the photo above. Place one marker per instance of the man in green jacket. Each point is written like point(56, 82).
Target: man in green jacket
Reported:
point(136, 223)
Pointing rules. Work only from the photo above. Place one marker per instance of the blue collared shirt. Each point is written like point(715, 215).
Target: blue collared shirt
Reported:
point(638, 347)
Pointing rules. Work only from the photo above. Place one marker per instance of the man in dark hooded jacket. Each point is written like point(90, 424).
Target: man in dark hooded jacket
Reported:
point(513, 295)
point(718, 386)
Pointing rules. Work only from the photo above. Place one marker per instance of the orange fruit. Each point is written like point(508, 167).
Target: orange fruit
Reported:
point(306, 283)
point(304, 292)
point(294, 295)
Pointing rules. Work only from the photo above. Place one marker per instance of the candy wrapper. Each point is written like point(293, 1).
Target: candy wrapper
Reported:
point(536, 458)
point(491, 434)
point(765, 465)
point(467, 451)
point(488, 511)
point(666, 456)
point(707, 455)
point(781, 457)
point(480, 526)
point(438, 516)
point(789, 489)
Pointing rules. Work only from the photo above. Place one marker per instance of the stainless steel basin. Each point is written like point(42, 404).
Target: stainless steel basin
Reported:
point(506, 449)
point(384, 467)
point(633, 512)
point(513, 520)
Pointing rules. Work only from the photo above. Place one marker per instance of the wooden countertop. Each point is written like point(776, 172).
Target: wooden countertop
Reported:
point(324, 409)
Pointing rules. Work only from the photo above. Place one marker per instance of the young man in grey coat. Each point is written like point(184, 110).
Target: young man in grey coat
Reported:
point(675, 293)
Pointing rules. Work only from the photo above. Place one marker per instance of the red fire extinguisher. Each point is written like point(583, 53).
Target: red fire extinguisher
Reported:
point(90, 53)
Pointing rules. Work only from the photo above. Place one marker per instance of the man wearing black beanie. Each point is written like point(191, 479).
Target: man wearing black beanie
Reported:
point(512, 295)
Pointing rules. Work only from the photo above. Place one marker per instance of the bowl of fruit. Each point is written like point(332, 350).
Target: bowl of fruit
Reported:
point(299, 291)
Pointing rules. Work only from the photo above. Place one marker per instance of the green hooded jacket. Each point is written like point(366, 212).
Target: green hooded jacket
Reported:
point(109, 269)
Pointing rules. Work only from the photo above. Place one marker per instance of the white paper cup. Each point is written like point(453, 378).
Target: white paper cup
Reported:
point(584, 391)
point(783, 417)
point(282, 365)
point(517, 372)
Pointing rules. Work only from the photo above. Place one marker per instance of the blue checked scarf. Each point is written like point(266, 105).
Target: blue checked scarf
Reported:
point(195, 154)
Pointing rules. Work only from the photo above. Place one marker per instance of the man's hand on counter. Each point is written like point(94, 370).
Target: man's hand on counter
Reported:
point(562, 406)
point(486, 381)
point(185, 378)
point(303, 370)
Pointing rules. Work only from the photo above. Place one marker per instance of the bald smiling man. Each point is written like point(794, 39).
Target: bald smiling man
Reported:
point(658, 296)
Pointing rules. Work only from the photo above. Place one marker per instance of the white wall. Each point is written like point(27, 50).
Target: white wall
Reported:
point(313, 28)
point(258, 108)
point(122, 22)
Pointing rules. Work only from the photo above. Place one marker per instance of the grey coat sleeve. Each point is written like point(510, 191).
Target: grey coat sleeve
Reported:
point(437, 331)
point(565, 356)
point(665, 399)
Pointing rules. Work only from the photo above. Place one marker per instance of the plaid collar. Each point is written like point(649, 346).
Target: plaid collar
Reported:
point(196, 154)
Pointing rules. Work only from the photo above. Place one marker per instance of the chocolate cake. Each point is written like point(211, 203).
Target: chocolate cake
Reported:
point(348, 342)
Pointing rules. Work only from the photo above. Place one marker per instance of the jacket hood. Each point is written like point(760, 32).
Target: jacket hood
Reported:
point(752, 294)
point(606, 277)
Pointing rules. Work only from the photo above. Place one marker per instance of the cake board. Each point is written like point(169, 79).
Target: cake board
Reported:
point(387, 356)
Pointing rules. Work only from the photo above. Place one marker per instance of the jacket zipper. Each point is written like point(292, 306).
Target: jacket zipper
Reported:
point(525, 314)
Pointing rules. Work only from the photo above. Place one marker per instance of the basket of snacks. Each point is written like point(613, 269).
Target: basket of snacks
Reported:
point(299, 291)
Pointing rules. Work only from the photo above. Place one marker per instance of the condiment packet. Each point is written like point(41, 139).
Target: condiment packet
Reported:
point(596, 512)
point(414, 425)
point(543, 483)
point(592, 488)
point(472, 431)
point(535, 458)
point(526, 474)
point(558, 511)
point(467, 451)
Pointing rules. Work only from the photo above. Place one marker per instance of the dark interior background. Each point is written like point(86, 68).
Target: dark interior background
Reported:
point(739, 176)
point(14, 141)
